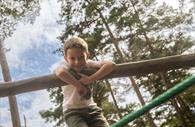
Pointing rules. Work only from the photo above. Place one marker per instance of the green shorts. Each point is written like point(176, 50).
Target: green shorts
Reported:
point(85, 117)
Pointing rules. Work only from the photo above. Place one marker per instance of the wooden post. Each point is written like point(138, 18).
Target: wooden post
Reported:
point(12, 99)
point(25, 123)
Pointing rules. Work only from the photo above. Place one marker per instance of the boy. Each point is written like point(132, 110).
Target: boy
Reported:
point(80, 110)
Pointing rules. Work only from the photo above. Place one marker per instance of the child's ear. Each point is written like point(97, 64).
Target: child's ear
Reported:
point(88, 55)
point(65, 58)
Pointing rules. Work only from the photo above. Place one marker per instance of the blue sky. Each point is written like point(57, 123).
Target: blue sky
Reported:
point(31, 55)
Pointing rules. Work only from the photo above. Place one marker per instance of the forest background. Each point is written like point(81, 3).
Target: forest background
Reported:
point(122, 31)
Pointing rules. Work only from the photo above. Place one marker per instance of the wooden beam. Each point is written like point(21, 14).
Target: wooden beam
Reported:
point(126, 69)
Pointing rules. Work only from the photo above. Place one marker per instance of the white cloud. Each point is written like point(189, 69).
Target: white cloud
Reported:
point(173, 3)
point(4, 112)
point(40, 101)
point(28, 36)
point(55, 65)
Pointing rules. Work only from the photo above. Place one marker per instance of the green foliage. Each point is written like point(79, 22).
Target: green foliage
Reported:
point(14, 11)
point(90, 8)
point(142, 30)
point(100, 93)
point(55, 113)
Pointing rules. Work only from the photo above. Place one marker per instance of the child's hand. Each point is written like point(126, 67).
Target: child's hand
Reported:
point(85, 79)
point(81, 90)
point(84, 92)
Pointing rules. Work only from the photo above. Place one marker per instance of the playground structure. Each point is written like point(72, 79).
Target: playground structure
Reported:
point(157, 101)
point(122, 70)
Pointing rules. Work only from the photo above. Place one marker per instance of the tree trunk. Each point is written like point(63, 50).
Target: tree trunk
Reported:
point(12, 99)
point(153, 54)
point(152, 124)
point(186, 110)
point(114, 99)
point(174, 102)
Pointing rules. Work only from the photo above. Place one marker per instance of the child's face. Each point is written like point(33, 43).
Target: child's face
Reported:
point(76, 58)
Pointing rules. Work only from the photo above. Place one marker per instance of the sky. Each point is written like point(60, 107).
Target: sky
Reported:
point(30, 55)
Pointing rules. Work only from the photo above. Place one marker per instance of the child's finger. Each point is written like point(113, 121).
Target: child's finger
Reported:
point(82, 75)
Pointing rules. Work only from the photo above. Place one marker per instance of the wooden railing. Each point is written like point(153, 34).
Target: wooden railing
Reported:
point(126, 69)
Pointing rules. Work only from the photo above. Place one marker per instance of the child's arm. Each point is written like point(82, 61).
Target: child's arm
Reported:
point(65, 76)
point(104, 70)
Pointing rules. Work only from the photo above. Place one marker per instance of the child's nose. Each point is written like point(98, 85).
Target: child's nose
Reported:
point(77, 61)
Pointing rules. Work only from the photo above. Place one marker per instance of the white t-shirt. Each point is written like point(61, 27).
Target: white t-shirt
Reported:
point(72, 98)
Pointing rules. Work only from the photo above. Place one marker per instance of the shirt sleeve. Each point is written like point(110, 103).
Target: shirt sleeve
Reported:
point(63, 65)
point(94, 64)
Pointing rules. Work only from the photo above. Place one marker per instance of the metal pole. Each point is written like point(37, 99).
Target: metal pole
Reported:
point(157, 101)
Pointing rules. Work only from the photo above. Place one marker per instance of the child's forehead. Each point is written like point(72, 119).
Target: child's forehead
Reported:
point(75, 51)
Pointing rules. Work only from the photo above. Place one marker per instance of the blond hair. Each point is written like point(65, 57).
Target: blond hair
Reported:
point(75, 42)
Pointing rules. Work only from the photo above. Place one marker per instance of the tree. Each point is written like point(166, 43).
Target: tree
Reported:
point(145, 28)
point(79, 28)
point(13, 12)
point(141, 29)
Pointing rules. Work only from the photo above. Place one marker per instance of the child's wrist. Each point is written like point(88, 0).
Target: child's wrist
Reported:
point(78, 85)
point(91, 78)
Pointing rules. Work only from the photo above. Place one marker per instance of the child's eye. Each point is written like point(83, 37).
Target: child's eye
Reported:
point(81, 57)
point(72, 58)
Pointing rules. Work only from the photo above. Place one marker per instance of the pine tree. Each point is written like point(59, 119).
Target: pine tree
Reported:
point(13, 12)
point(143, 30)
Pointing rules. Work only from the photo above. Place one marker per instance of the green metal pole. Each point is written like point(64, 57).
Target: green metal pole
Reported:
point(157, 101)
